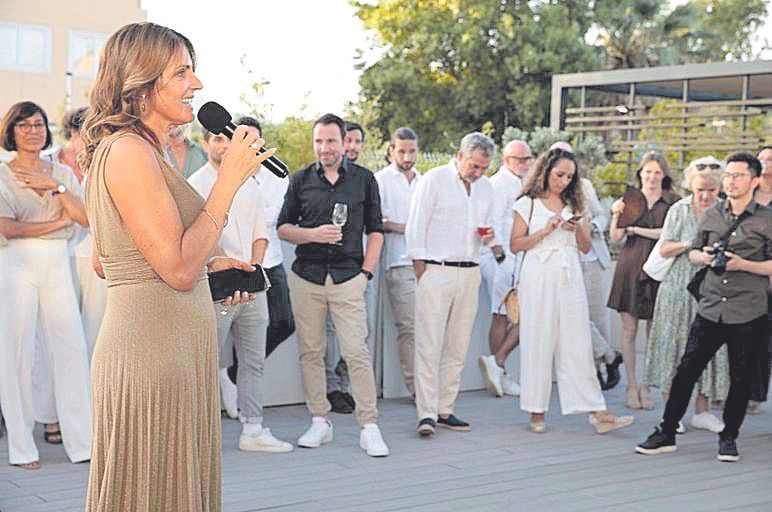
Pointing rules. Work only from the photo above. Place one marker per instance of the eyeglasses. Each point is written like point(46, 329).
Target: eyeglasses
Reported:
point(736, 176)
point(702, 167)
point(27, 127)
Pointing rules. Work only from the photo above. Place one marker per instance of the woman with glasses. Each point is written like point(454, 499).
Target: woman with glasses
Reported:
point(674, 310)
point(39, 201)
point(632, 292)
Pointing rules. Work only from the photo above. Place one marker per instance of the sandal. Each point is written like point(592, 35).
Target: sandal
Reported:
point(53, 436)
point(605, 422)
point(633, 402)
point(28, 465)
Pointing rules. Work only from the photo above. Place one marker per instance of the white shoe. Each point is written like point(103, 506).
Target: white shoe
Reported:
point(263, 442)
point(228, 395)
point(509, 386)
point(370, 440)
point(680, 429)
point(319, 433)
point(491, 374)
point(707, 421)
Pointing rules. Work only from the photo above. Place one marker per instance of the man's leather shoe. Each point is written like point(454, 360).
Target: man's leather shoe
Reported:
point(338, 403)
point(612, 371)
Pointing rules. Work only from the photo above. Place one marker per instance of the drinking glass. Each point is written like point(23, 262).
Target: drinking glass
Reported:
point(339, 217)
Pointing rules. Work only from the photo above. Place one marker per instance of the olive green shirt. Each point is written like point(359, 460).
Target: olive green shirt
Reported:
point(195, 158)
point(736, 297)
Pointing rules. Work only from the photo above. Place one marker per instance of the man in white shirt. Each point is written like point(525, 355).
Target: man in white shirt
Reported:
point(396, 183)
point(503, 336)
point(272, 191)
point(449, 208)
point(245, 238)
point(595, 266)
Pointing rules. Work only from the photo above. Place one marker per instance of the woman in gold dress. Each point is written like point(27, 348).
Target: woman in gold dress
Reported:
point(154, 369)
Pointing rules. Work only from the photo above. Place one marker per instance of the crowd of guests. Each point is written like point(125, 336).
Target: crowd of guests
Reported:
point(536, 226)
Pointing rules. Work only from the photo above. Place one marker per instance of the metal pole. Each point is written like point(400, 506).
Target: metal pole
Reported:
point(630, 103)
point(684, 131)
point(743, 108)
point(582, 104)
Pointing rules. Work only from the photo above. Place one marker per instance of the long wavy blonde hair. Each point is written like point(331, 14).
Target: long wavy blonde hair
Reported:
point(130, 64)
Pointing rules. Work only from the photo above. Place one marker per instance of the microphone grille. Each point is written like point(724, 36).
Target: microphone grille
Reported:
point(213, 117)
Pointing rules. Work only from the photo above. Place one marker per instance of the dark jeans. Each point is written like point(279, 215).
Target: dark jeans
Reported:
point(282, 323)
point(705, 338)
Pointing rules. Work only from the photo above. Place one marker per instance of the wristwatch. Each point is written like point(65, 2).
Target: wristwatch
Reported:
point(368, 274)
point(61, 189)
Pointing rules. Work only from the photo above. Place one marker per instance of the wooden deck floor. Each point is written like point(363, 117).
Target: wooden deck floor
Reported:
point(497, 466)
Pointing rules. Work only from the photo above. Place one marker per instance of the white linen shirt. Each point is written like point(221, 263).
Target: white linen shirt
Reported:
point(246, 220)
point(396, 193)
point(506, 187)
point(272, 189)
point(443, 220)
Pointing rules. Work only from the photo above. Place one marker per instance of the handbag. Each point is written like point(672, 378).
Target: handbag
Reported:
point(696, 281)
point(224, 283)
point(511, 301)
point(657, 266)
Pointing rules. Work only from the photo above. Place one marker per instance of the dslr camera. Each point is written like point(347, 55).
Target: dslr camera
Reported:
point(719, 262)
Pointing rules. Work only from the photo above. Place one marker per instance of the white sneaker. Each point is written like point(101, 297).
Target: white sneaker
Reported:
point(491, 374)
point(680, 429)
point(707, 421)
point(263, 442)
point(370, 440)
point(509, 386)
point(319, 433)
point(228, 395)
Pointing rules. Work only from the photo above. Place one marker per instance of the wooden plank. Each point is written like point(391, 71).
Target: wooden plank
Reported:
point(588, 110)
point(622, 118)
point(724, 103)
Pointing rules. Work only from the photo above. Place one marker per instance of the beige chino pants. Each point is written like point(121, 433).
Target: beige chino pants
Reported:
point(401, 286)
point(346, 304)
point(446, 306)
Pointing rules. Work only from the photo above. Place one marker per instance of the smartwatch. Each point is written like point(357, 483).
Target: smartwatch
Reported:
point(368, 274)
point(61, 189)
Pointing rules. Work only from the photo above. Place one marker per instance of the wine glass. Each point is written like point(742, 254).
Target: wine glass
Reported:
point(339, 217)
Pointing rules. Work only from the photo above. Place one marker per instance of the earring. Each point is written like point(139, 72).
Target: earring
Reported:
point(142, 105)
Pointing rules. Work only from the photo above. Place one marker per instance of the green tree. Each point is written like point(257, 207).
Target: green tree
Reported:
point(451, 66)
point(640, 33)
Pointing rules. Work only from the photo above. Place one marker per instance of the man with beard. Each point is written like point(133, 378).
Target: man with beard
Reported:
point(330, 273)
point(397, 183)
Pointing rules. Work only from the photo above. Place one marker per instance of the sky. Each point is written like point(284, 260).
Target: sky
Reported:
point(305, 48)
point(300, 46)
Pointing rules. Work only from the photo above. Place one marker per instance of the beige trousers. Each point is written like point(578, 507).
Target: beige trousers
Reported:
point(346, 304)
point(446, 306)
point(400, 284)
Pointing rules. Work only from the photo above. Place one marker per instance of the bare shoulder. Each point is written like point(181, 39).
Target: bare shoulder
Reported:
point(131, 161)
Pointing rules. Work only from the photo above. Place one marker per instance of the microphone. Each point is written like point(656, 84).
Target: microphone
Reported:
point(217, 120)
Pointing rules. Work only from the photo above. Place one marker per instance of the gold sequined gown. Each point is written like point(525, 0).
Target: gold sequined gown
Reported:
point(154, 372)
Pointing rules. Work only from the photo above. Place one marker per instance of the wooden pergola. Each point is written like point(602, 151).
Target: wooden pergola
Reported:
point(718, 107)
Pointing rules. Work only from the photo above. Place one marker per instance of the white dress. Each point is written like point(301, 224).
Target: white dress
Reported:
point(554, 322)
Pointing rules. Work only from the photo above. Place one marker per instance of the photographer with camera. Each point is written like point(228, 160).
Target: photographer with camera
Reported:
point(734, 242)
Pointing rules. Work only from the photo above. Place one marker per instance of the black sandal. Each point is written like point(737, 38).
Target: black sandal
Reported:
point(53, 437)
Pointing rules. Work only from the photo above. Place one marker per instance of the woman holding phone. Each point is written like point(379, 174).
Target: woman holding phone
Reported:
point(154, 368)
point(555, 322)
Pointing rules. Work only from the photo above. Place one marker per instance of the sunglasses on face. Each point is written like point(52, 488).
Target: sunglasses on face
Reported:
point(702, 167)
